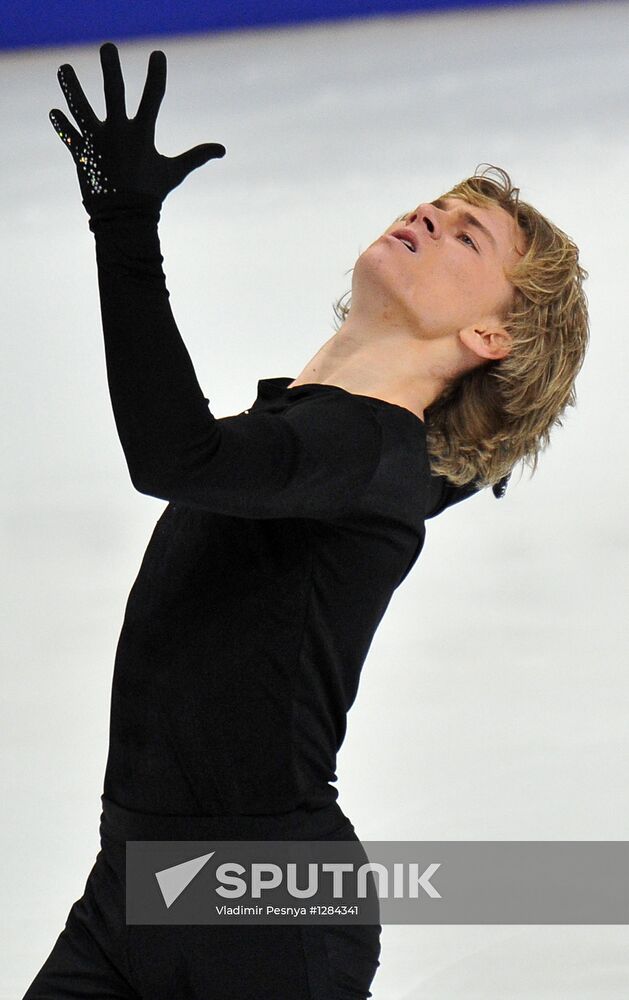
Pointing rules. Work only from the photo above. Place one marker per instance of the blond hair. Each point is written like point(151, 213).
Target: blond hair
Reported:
point(501, 413)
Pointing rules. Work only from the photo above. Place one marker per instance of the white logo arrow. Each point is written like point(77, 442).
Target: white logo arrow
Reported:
point(172, 881)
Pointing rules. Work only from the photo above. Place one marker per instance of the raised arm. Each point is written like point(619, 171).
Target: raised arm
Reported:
point(311, 461)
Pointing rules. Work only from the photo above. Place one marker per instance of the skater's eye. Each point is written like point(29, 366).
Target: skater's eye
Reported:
point(471, 241)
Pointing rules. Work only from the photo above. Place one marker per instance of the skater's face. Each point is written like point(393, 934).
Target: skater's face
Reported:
point(454, 279)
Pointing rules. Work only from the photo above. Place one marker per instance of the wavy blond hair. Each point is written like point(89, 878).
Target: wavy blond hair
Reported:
point(501, 413)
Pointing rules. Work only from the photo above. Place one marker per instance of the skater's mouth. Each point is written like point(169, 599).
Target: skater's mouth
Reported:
point(407, 237)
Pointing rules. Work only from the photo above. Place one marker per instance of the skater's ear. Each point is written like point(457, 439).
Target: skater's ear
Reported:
point(488, 340)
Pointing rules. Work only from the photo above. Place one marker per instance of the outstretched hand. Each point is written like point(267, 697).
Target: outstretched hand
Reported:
point(118, 155)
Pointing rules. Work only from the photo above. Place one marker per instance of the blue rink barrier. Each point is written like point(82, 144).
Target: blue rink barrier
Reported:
point(27, 23)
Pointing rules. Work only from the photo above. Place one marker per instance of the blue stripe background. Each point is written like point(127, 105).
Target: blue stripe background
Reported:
point(26, 23)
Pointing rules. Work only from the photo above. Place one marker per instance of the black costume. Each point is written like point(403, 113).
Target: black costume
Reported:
point(287, 530)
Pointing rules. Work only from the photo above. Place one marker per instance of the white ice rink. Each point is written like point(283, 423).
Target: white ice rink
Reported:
point(494, 701)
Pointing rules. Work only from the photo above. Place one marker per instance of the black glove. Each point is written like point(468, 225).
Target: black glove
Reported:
point(118, 156)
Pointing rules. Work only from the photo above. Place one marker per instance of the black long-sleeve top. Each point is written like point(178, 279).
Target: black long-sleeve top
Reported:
point(287, 529)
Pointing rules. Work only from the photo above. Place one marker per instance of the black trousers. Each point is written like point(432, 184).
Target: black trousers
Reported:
point(99, 957)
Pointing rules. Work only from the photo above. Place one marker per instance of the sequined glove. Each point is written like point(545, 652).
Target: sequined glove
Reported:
point(118, 156)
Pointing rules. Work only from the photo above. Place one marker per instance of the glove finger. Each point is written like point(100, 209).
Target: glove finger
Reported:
point(113, 82)
point(154, 89)
point(66, 132)
point(77, 101)
point(186, 162)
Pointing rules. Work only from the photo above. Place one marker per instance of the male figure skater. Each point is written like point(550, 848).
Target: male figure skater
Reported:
point(287, 529)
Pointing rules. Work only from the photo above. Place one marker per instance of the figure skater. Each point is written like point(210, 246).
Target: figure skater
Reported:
point(287, 529)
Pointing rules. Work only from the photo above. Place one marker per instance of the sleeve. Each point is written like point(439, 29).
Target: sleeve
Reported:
point(312, 460)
